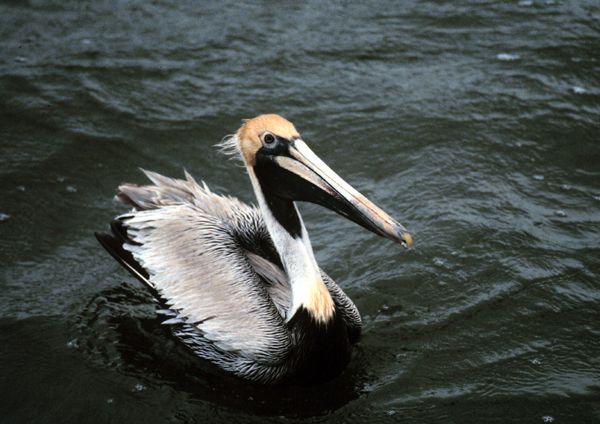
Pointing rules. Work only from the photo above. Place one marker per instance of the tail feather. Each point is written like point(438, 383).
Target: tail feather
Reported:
point(139, 197)
point(165, 191)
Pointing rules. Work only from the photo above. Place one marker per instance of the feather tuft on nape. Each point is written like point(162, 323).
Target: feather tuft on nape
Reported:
point(230, 146)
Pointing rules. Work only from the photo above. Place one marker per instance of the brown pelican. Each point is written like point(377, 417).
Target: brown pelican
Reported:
point(242, 282)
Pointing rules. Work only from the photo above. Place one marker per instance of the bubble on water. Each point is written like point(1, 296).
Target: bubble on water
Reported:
point(86, 41)
point(507, 56)
point(547, 418)
point(566, 187)
point(560, 213)
point(73, 344)
point(538, 177)
point(578, 90)
point(439, 262)
point(391, 413)
point(20, 188)
point(536, 361)
point(20, 59)
point(61, 179)
point(71, 189)
point(139, 387)
point(525, 3)
point(4, 216)
point(110, 400)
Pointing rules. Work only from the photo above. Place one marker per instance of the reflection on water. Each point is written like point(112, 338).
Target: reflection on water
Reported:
point(119, 329)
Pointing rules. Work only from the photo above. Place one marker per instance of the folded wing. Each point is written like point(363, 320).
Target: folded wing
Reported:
point(189, 246)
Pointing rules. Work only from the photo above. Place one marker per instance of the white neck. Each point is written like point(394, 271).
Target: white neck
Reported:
point(298, 261)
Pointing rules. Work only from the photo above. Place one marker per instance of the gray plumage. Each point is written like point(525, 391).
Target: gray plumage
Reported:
point(212, 260)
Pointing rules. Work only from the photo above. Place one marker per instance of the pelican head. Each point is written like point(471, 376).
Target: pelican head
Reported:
point(286, 169)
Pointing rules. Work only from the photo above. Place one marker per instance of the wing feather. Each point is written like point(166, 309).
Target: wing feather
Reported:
point(188, 240)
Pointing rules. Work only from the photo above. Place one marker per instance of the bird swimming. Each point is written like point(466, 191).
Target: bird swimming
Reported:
point(241, 282)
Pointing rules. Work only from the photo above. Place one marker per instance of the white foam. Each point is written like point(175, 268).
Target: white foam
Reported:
point(139, 387)
point(439, 262)
point(507, 56)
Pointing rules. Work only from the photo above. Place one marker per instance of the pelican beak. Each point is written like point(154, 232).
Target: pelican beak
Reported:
point(308, 178)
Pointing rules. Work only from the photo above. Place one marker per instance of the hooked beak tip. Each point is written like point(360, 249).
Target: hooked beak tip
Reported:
point(407, 240)
point(400, 235)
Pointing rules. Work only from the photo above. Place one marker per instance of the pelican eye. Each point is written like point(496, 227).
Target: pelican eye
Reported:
point(269, 139)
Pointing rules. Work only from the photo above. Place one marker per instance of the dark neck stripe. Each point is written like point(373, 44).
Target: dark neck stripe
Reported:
point(282, 209)
point(325, 348)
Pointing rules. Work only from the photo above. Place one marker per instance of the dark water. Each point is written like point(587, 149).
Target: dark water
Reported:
point(477, 125)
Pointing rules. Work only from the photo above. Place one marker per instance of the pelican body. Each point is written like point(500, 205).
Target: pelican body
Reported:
point(241, 283)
